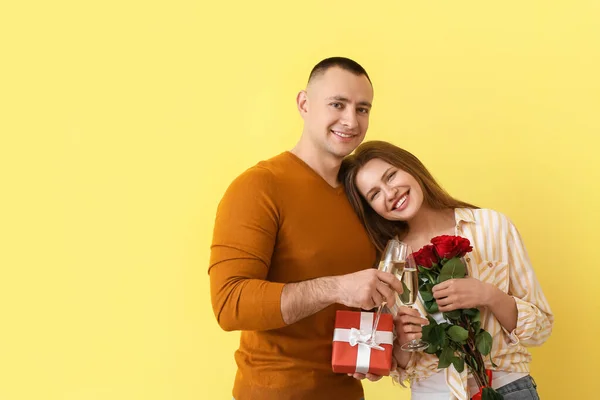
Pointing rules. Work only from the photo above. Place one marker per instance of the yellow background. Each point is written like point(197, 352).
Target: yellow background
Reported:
point(122, 123)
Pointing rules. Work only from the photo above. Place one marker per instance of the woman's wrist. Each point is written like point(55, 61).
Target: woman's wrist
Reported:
point(402, 357)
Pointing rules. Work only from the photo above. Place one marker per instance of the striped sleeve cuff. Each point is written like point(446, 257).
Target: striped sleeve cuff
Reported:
point(402, 375)
point(526, 322)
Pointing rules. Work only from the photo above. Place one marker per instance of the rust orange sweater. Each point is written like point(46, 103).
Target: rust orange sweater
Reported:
point(280, 222)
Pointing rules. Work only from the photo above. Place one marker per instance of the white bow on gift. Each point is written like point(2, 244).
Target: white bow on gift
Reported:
point(362, 338)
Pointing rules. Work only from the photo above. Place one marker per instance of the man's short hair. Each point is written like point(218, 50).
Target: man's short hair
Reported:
point(340, 62)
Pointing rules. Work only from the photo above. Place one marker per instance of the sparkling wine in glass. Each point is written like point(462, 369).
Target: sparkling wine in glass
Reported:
point(410, 283)
point(393, 261)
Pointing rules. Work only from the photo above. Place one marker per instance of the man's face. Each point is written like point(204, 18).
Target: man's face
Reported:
point(335, 108)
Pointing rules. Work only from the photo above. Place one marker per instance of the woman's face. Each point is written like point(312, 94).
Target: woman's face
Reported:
point(392, 193)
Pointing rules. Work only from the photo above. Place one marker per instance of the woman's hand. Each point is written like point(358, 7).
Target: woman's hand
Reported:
point(409, 326)
point(466, 292)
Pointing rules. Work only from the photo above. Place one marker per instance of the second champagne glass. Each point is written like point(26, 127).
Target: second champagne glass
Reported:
point(410, 282)
point(392, 261)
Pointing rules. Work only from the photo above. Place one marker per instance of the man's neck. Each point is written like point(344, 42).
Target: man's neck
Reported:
point(324, 164)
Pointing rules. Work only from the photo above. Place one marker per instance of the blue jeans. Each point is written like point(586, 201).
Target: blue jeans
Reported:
point(521, 389)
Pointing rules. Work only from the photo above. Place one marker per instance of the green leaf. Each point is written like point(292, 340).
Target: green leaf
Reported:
point(476, 317)
point(454, 315)
point(458, 363)
point(426, 293)
point(431, 349)
point(476, 327)
point(431, 307)
point(446, 358)
point(437, 335)
point(427, 329)
point(493, 363)
point(404, 297)
point(490, 394)
point(434, 307)
point(483, 342)
point(471, 312)
point(457, 333)
point(445, 341)
point(453, 269)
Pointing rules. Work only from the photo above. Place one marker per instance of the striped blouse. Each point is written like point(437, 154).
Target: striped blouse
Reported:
point(500, 258)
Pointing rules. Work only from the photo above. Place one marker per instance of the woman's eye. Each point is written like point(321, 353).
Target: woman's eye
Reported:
point(374, 195)
point(391, 176)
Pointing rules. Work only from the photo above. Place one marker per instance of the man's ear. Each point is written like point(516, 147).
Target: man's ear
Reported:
point(302, 102)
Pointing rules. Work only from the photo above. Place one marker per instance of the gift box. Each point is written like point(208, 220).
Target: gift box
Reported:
point(352, 349)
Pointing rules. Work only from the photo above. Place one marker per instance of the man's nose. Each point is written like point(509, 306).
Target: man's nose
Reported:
point(349, 118)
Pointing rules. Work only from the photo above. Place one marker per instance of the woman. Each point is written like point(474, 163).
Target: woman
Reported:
point(395, 196)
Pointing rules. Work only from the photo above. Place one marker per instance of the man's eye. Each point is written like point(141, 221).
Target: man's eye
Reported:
point(337, 105)
point(363, 110)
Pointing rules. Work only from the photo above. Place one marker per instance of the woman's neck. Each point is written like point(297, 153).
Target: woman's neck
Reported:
point(429, 223)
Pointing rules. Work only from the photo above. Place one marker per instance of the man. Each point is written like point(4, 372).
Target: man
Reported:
point(288, 250)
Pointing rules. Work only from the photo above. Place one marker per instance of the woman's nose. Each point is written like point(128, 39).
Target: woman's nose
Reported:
point(390, 193)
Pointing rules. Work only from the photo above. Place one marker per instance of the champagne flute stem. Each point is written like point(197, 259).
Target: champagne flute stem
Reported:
point(376, 323)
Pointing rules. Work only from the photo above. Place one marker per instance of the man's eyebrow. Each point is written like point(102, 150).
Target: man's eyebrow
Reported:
point(346, 100)
point(339, 98)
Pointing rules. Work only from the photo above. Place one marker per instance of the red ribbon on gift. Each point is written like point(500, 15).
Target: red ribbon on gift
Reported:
point(352, 350)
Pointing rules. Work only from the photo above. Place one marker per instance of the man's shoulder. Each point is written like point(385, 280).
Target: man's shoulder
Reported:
point(262, 175)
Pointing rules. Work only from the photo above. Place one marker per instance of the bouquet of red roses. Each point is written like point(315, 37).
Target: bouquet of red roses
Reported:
point(460, 340)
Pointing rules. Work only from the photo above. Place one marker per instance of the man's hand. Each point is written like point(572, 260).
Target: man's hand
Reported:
point(371, 377)
point(367, 289)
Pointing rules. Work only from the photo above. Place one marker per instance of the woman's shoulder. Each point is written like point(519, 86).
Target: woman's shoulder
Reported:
point(486, 216)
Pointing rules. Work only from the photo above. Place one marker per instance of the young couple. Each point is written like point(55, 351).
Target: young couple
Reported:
point(296, 237)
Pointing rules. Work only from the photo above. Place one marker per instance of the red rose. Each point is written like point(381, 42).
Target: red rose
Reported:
point(425, 257)
point(451, 246)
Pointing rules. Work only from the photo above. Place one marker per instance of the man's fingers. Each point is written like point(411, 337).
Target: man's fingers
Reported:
point(377, 299)
point(386, 293)
point(373, 378)
point(358, 376)
point(391, 280)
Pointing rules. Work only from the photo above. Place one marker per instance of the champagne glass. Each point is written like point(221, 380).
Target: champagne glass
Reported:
point(410, 283)
point(392, 261)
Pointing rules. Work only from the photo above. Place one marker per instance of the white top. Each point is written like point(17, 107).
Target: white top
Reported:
point(436, 388)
